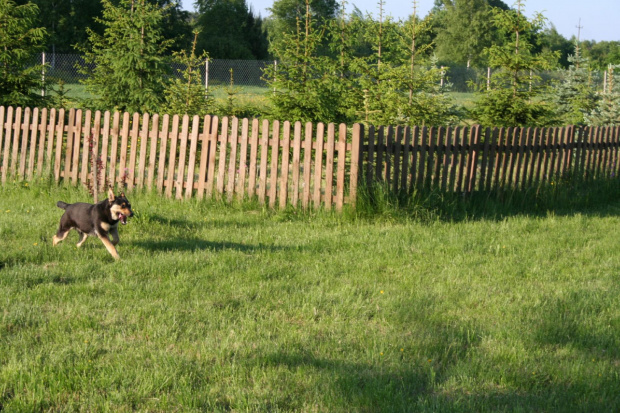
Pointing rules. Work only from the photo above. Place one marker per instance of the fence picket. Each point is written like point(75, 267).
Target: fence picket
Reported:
point(406, 159)
point(152, 137)
point(329, 166)
point(415, 148)
point(23, 149)
point(447, 157)
point(173, 155)
point(307, 145)
point(213, 141)
point(180, 181)
point(223, 150)
point(232, 163)
point(253, 156)
point(34, 132)
point(193, 148)
point(423, 152)
point(356, 148)
point(340, 171)
point(163, 143)
point(59, 130)
point(205, 138)
point(286, 145)
point(47, 169)
point(245, 124)
point(273, 174)
point(370, 155)
point(396, 155)
point(143, 139)
point(296, 163)
point(264, 153)
point(86, 146)
point(5, 131)
point(318, 164)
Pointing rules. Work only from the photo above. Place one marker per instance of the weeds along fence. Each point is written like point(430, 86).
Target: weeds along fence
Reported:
point(283, 163)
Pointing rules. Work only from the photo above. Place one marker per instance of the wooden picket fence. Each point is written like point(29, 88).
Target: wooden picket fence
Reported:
point(283, 163)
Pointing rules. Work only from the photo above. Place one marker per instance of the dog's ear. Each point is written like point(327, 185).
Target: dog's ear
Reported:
point(122, 195)
point(110, 195)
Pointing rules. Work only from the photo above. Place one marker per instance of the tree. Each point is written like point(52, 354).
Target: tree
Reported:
point(126, 66)
point(20, 41)
point(574, 97)
point(607, 111)
point(229, 30)
point(185, 94)
point(464, 30)
point(514, 98)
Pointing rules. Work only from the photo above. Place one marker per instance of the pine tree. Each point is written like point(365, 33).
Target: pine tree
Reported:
point(126, 66)
point(514, 98)
point(607, 111)
point(574, 97)
point(20, 41)
point(185, 94)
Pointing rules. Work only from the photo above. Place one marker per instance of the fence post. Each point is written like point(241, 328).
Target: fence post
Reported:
point(488, 78)
point(472, 163)
point(43, 74)
point(356, 149)
point(206, 76)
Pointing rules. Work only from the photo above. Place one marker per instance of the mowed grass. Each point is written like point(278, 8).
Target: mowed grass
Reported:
point(231, 308)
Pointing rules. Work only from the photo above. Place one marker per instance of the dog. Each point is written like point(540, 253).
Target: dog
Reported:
point(98, 219)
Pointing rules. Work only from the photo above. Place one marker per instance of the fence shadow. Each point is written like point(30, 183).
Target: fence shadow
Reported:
point(197, 244)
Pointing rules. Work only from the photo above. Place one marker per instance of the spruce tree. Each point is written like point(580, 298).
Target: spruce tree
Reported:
point(20, 41)
point(607, 111)
point(126, 66)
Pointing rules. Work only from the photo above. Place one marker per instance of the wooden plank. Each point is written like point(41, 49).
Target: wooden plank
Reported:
point(143, 139)
point(307, 145)
point(163, 149)
point(404, 179)
point(447, 158)
point(180, 180)
point(5, 136)
point(318, 164)
point(521, 166)
point(340, 169)
point(380, 150)
point(34, 132)
point(527, 151)
point(273, 174)
point(356, 156)
point(264, 153)
point(389, 156)
point(243, 156)
point(604, 145)
point(430, 163)
point(114, 134)
point(69, 148)
point(553, 156)
point(513, 151)
point(41, 143)
point(23, 148)
point(296, 163)
point(172, 158)
point(51, 124)
point(59, 130)
point(77, 141)
point(398, 146)
point(472, 162)
point(415, 149)
point(423, 152)
point(286, 150)
point(221, 170)
point(232, 163)
point(153, 136)
point(329, 166)
point(485, 158)
point(570, 148)
point(439, 142)
point(253, 159)
point(461, 185)
point(123, 172)
point(614, 143)
point(205, 137)
point(133, 149)
point(491, 159)
point(87, 147)
point(506, 150)
point(370, 166)
point(562, 152)
point(213, 143)
point(16, 127)
point(98, 153)
point(193, 148)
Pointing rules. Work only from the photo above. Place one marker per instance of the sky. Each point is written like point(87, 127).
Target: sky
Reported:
point(599, 18)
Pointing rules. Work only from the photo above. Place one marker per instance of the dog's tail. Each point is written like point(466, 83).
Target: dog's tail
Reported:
point(62, 205)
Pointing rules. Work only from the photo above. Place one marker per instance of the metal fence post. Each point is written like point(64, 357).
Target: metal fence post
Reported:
point(206, 75)
point(43, 74)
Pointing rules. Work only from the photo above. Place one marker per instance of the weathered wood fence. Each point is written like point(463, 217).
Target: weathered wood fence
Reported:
point(280, 163)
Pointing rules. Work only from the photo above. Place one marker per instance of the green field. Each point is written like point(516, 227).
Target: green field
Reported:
point(232, 308)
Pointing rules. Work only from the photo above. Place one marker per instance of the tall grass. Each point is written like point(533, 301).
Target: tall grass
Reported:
point(220, 308)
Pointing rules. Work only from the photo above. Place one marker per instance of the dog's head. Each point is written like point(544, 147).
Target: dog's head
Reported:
point(120, 208)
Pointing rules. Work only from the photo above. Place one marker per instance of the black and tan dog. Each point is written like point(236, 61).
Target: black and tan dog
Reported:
point(98, 219)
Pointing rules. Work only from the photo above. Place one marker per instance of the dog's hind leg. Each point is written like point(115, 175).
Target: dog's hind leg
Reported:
point(83, 237)
point(60, 235)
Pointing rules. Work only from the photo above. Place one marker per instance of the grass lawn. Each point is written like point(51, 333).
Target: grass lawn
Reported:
point(216, 308)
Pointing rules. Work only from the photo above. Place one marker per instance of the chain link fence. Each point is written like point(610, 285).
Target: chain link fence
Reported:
point(219, 72)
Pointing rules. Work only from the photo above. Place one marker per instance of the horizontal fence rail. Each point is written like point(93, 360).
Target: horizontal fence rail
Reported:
point(291, 164)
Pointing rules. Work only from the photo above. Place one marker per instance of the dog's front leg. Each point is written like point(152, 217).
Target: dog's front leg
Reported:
point(114, 233)
point(109, 246)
